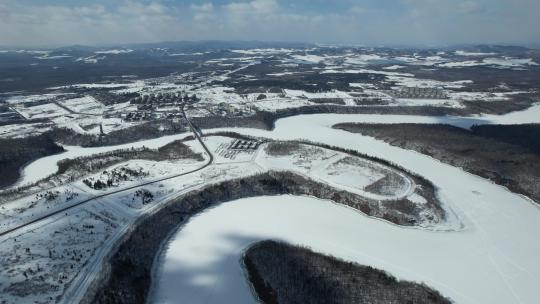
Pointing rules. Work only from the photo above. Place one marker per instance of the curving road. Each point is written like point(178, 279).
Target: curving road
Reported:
point(59, 211)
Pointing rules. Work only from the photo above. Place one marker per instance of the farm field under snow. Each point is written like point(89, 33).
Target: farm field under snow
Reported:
point(49, 110)
point(87, 105)
point(490, 256)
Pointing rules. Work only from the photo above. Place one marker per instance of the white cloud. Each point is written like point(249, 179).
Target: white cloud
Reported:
point(407, 22)
point(470, 7)
point(204, 8)
point(255, 6)
point(356, 9)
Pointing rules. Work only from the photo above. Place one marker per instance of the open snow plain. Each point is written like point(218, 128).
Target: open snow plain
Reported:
point(490, 255)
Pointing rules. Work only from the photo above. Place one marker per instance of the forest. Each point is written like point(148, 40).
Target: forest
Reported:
point(15, 153)
point(282, 273)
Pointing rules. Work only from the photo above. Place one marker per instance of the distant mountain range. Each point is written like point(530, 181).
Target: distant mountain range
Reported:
point(193, 46)
point(213, 45)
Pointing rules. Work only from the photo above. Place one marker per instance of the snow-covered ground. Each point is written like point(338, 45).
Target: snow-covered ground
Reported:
point(46, 258)
point(496, 62)
point(220, 148)
point(267, 51)
point(411, 81)
point(308, 59)
point(340, 170)
point(86, 104)
point(23, 130)
point(115, 51)
point(19, 99)
point(304, 94)
point(450, 103)
point(273, 104)
point(48, 110)
point(131, 86)
point(466, 53)
point(491, 259)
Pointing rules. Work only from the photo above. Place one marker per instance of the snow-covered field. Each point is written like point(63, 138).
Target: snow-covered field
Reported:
point(450, 103)
point(491, 258)
point(42, 111)
point(339, 170)
point(220, 148)
point(42, 260)
point(23, 130)
point(86, 104)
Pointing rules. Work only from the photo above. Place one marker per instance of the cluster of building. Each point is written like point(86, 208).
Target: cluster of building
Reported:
point(241, 144)
point(420, 93)
point(159, 106)
point(136, 116)
point(149, 115)
point(226, 109)
point(163, 99)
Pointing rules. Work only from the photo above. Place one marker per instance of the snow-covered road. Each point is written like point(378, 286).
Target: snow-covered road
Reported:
point(493, 259)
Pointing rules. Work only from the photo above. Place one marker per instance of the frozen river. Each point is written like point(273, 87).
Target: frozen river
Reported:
point(46, 166)
point(490, 256)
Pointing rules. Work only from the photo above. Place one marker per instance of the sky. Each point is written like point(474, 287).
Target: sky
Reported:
point(367, 22)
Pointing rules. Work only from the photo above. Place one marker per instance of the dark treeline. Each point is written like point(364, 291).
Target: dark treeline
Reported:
point(15, 153)
point(261, 120)
point(237, 136)
point(282, 273)
point(17, 119)
point(499, 107)
point(265, 120)
point(127, 274)
point(489, 154)
point(526, 136)
point(172, 151)
point(178, 150)
point(283, 148)
point(149, 130)
point(338, 101)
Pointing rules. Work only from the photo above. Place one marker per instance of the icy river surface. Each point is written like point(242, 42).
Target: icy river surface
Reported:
point(488, 254)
